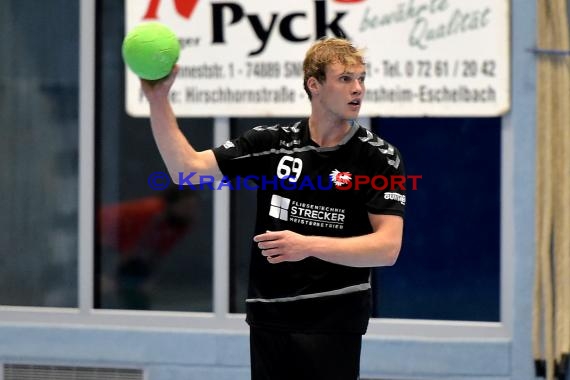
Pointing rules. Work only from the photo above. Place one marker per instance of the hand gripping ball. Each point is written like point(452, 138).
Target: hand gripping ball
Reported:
point(150, 50)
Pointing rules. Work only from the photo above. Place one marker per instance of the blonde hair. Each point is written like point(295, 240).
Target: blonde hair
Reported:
point(328, 51)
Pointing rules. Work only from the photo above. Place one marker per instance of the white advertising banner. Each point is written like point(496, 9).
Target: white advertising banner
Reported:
point(244, 58)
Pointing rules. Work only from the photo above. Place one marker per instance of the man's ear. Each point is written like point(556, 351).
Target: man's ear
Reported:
point(313, 85)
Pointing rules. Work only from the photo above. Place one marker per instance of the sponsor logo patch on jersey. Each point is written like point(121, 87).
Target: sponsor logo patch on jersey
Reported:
point(340, 178)
point(307, 214)
point(279, 208)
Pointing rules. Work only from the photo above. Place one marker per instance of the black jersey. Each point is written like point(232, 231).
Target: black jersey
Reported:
point(312, 190)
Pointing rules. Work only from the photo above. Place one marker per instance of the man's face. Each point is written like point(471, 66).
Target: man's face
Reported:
point(342, 91)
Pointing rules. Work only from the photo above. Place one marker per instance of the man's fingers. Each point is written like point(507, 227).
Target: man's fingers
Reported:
point(266, 236)
point(268, 253)
point(275, 259)
point(172, 76)
point(267, 244)
point(175, 70)
point(166, 81)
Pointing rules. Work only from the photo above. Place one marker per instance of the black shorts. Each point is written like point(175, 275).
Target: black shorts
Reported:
point(277, 355)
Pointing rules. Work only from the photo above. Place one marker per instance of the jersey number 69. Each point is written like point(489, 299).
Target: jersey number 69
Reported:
point(288, 165)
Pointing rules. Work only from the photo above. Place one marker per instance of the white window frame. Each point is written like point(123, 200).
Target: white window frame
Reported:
point(221, 318)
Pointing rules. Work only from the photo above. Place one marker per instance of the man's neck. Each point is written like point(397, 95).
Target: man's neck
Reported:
point(328, 133)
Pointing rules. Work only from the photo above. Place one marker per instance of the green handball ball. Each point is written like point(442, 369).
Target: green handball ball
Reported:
point(151, 50)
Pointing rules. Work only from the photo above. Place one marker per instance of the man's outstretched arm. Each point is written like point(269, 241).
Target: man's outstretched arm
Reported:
point(177, 153)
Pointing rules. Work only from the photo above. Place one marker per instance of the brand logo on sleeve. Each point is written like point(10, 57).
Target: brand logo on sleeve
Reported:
point(228, 144)
point(395, 197)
